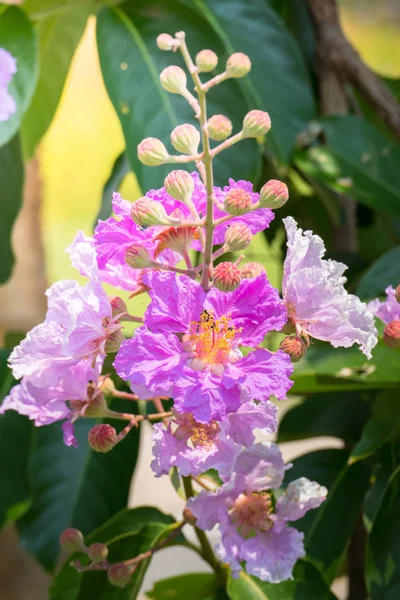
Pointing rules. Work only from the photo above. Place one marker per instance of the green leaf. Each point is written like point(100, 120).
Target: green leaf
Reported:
point(278, 81)
point(382, 273)
point(383, 549)
point(18, 37)
point(357, 160)
point(127, 534)
point(73, 487)
point(131, 62)
point(375, 434)
point(12, 180)
point(196, 586)
point(120, 169)
point(337, 414)
point(307, 584)
point(59, 34)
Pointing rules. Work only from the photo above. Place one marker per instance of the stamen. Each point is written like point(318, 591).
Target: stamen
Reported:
point(251, 512)
point(213, 339)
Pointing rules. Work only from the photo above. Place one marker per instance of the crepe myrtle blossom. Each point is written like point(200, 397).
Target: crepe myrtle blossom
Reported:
point(253, 526)
point(317, 302)
point(195, 447)
point(389, 309)
point(8, 68)
point(189, 347)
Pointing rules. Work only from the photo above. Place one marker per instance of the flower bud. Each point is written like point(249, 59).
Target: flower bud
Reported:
point(107, 385)
point(152, 152)
point(186, 139)
point(397, 293)
point(178, 239)
point(102, 437)
point(138, 257)
point(119, 574)
point(118, 306)
point(237, 202)
point(256, 124)
point(72, 540)
point(165, 42)
point(179, 184)
point(238, 65)
point(97, 552)
point(227, 276)
point(173, 79)
point(206, 61)
point(237, 237)
point(391, 335)
point(252, 269)
point(146, 212)
point(114, 341)
point(219, 127)
point(294, 347)
point(273, 194)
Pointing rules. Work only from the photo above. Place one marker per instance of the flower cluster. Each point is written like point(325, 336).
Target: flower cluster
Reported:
point(202, 340)
point(8, 68)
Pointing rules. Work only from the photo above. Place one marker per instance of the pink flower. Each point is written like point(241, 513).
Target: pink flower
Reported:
point(189, 348)
point(8, 68)
point(253, 530)
point(389, 309)
point(317, 301)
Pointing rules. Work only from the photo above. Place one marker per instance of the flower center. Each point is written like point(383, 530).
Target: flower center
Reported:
point(200, 434)
point(251, 512)
point(213, 339)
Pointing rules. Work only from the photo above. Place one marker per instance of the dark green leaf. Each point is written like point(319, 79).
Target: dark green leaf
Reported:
point(119, 170)
point(73, 487)
point(384, 272)
point(59, 34)
point(385, 463)
point(307, 584)
point(12, 180)
point(127, 534)
point(375, 434)
point(340, 415)
point(131, 62)
point(18, 37)
point(196, 586)
point(383, 550)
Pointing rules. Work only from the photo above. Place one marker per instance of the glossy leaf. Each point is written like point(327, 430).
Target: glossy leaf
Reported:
point(131, 62)
point(18, 37)
point(307, 584)
point(59, 34)
point(196, 586)
point(383, 550)
point(375, 434)
point(12, 181)
point(278, 81)
point(73, 487)
point(120, 169)
point(382, 273)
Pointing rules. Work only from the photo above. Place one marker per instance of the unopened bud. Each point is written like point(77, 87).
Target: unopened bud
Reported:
point(294, 347)
point(219, 127)
point(227, 276)
point(189, 517)
point(391, 335)
point(138, 257)
point(206, 61)
point(238, 65)
point(152, 152)
point(165, 41)
point(97, 552)
point(119, 574)
point(256, 124)
point(397, 293)
point(186, 139)
point(173, 79)
point(252, 269)
point(114, 341)
point(237, 237)
point(179, 184)
point(102, 437)
point(146, 212)
point(72, 540)
point(107, 385)
point(237, 202)
point(273, 194)
point(118, 306)
point(178, 239)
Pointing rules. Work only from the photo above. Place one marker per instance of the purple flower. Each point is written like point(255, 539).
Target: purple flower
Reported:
point(195, 447)
point(8, 68)
point(389, 309)
point(252, 530)
point(189, 348)
point(317, 301)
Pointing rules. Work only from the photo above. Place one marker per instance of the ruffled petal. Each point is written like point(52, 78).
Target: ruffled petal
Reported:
point(260, 467)
point(249, 417)
point(300, 496)
point(389, 309)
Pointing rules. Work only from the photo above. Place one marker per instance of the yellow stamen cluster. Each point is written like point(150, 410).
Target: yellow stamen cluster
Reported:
point(203, 434)
point(251, 512)
point(213, 338)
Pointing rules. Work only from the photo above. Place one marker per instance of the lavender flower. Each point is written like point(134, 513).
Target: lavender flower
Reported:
point(389, 309)
point(8, 68)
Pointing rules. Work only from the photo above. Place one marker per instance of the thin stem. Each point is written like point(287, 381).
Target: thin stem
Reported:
point(187, 259)
point(183, 158)
point(125, 395)
point(174, 533)
point(234, 139)
point(215, 81)
point(219, 252)
point(202, 484)
point(158, 405)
